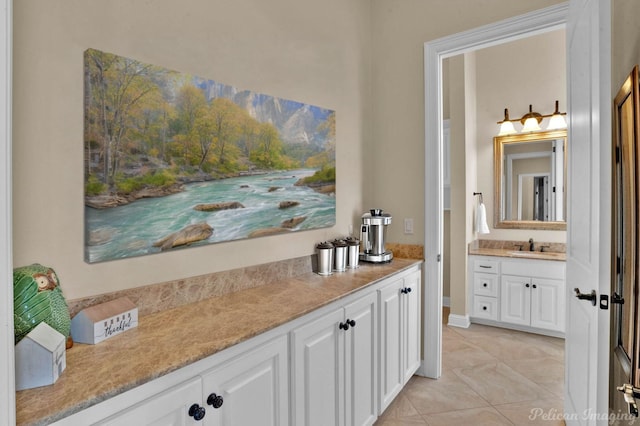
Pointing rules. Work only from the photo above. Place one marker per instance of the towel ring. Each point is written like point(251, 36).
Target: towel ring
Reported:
point(480, 194)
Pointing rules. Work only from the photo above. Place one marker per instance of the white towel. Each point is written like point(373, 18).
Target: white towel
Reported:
point(481, 220)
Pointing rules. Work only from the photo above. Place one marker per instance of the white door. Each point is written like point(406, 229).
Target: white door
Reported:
point(547, 304)
point(250, 390)
point(515, 300)
point(361, 361)
point(170, 408)
point(318, 358)
point(589, 210)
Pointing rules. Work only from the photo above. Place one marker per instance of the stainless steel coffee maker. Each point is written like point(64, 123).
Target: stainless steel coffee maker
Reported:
point(373, 232)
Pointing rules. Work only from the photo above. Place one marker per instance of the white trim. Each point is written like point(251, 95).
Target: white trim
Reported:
point(537, 22)
point(7, 372)
point(460, 321)
point(446, 301)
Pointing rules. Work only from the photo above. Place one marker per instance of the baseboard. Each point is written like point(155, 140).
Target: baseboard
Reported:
point(446, 301)
point(461, 321)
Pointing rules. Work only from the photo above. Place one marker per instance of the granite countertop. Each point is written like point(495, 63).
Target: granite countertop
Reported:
point(95, 373)
point(514, 253)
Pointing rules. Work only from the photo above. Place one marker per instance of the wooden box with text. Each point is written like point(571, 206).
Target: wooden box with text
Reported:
point(97, 323)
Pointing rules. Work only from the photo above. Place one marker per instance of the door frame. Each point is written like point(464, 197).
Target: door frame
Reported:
point(435, 51)
point(7, 393)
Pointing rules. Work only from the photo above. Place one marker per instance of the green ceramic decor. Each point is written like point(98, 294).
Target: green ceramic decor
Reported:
point(37, 297)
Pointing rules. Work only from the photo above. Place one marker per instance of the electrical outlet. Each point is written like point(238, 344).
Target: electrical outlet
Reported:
point(408, 225)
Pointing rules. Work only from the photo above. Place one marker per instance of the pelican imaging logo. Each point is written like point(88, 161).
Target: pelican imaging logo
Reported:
point(174, 160)
point(554, 415)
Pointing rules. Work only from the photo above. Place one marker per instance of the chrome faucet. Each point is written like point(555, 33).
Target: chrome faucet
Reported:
point(531, 246)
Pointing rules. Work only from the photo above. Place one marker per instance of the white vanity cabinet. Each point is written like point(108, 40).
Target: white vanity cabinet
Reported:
point(527, 294)
point(335, 366)
point(399, 335)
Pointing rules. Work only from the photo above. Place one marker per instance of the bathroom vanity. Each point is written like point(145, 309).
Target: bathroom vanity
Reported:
point(516, 289)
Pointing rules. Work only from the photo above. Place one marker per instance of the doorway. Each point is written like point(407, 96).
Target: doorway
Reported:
point(538, 22)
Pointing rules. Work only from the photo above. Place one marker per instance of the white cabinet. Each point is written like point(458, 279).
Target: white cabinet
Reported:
point(399, 335)
point(485, 287)
point(534, 302)
point(251, 389)
point(319, 369)
point(169, 408)
point(527, 294)
point(334, 366)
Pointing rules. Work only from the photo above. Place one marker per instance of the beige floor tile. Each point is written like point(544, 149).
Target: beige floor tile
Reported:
point(510, 347)
point(546, 372)
point(485, 416)
point(405, 421)
point(400, 408)
point(546, 412)
point(448, 393)
point(500, 384)
point(460, 353)
point(478, 330)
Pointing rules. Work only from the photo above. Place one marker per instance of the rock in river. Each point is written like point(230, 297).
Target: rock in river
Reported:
point(287, 204)
point(187, 235)
point(293, 222)
point(212, 207)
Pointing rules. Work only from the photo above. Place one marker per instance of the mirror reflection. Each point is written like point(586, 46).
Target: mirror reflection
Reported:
point(530, 180)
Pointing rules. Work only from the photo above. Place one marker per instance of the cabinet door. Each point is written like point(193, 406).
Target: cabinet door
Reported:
point(547, 304)
point(253, 387)
point(361, 367)
point(411, 320)
point(391, 374)
point(318, 371)
point(169, 408)
point(515, 295)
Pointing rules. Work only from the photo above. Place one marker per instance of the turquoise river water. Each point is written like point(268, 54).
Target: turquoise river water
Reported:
point(132, 229)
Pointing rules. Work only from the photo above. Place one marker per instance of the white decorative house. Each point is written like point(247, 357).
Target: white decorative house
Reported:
point(40, 357)
point(97, 323)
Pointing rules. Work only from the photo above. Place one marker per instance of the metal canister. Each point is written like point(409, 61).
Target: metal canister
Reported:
point(353, 252)
point(340, 255)
point(325, 258)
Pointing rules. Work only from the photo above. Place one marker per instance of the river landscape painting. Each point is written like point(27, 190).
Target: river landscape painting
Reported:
point(174, 160)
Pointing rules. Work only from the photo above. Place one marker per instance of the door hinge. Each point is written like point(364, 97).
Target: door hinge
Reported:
point(617, 154)
point(439, 258)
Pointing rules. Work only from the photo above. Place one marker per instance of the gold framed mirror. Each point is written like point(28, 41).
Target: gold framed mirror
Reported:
point(530, 180)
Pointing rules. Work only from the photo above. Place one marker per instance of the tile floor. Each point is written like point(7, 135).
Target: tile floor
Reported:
point(490, 376)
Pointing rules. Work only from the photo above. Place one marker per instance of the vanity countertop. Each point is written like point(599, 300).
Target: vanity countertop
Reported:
point(95, 373)
point(501, 252)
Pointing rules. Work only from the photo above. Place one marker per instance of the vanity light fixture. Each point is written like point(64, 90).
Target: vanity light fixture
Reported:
point(531, 121)
point(506, 126)
point(557, 120)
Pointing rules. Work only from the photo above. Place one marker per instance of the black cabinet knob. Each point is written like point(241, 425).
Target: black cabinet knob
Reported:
point(197, 412)
point(535, 286)
point(408, 289)
point(344, 326)
point(352, 323)
point(485, 285)
point(484, 308)
point(526, 285)
point(215, 400)
point(405, 290)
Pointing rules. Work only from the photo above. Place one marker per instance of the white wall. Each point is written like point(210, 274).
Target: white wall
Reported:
point(304, 50)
